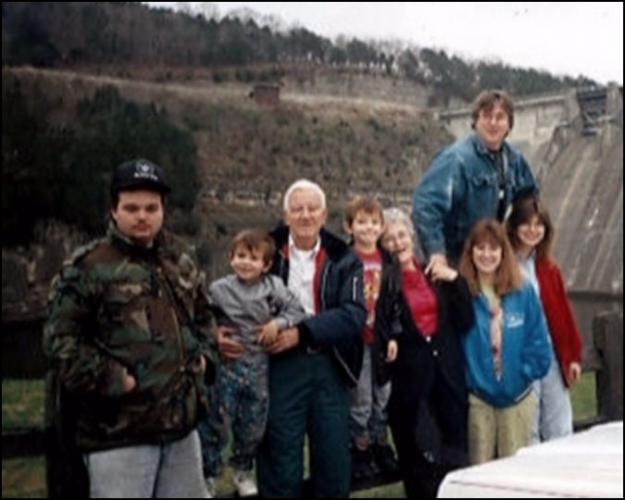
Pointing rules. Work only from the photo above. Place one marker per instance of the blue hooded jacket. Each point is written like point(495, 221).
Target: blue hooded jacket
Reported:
point(526, 351)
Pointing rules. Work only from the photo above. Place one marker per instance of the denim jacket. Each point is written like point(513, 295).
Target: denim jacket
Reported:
point(460, 188)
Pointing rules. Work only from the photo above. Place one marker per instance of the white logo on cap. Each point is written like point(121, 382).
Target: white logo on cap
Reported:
point(145, 171)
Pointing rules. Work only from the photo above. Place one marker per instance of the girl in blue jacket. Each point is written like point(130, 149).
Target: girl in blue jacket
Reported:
point(507, 348)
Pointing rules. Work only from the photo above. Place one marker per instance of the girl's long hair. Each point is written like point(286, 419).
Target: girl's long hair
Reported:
point(522, 212)
point(508, 275)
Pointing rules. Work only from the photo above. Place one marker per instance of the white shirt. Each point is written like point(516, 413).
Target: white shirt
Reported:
point(528, 268)
point(302, 274)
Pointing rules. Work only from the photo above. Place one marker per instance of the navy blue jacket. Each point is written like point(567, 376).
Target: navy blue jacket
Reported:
point(336, 327)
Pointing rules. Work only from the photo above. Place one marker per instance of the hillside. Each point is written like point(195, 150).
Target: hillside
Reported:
point(247, 155)
point(127, 80)
point(132, 40)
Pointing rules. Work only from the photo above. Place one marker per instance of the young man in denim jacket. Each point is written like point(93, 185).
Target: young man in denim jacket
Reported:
point(477, 177)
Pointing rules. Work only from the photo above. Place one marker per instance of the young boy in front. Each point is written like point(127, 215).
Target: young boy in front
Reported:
point(258, 305)
point(371, 452)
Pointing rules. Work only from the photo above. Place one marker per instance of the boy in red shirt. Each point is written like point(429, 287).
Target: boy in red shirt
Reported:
point(364, 222)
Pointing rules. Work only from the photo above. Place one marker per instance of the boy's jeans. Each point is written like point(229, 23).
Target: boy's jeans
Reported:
point(369, 420)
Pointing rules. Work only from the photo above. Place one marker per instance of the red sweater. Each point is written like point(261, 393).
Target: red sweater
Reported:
point(422, 301)
point(565, 335)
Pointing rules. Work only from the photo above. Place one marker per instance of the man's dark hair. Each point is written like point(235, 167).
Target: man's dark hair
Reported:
point(487, 99)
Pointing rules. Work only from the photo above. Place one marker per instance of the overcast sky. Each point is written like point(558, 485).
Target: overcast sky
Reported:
point(563, 38)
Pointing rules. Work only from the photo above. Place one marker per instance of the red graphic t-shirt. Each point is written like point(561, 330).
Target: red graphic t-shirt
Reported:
point(372, 264)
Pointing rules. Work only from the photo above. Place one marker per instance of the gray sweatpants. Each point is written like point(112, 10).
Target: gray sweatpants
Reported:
point(172, 470)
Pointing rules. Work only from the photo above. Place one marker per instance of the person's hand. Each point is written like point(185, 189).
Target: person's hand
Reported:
point(442, 272)
point(391, 351)
point(228, 347)
point(128, 382)
point(268, 333)
point(436, 259)
point(286, 339)
point(202, 363)
point(574, 375)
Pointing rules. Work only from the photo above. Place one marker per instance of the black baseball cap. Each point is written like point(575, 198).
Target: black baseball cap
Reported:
point(136, 174)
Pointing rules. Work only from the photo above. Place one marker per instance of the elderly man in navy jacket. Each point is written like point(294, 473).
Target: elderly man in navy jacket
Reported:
point(314, 363)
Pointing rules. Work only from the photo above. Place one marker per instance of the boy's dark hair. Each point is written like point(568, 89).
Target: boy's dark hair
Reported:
point(487, 99)
point(254, 240)
point(367, 204)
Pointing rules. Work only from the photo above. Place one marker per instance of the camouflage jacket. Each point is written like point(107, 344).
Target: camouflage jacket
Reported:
point(116, 308)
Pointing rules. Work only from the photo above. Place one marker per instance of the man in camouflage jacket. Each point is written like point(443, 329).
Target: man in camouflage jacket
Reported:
point(129, 332)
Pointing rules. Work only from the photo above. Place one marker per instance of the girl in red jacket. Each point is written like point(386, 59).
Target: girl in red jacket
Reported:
point(531, 234)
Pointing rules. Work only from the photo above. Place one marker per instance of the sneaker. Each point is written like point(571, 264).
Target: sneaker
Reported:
point(362, 464)
point(384, 457)
point(211, 487)
point(245, 483)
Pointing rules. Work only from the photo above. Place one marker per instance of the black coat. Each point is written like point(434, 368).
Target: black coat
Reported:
point(428, 404)
point(337, 327)
point(388, 312)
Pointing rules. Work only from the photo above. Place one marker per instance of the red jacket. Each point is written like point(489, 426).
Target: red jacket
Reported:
point(565, 335)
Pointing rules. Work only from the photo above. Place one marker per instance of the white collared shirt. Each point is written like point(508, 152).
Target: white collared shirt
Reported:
point(302, 274)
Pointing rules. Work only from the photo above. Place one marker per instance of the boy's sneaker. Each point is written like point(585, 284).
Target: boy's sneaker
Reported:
point(245, 483)
point(362, 467)
point(384, 457)
point(211, 487)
